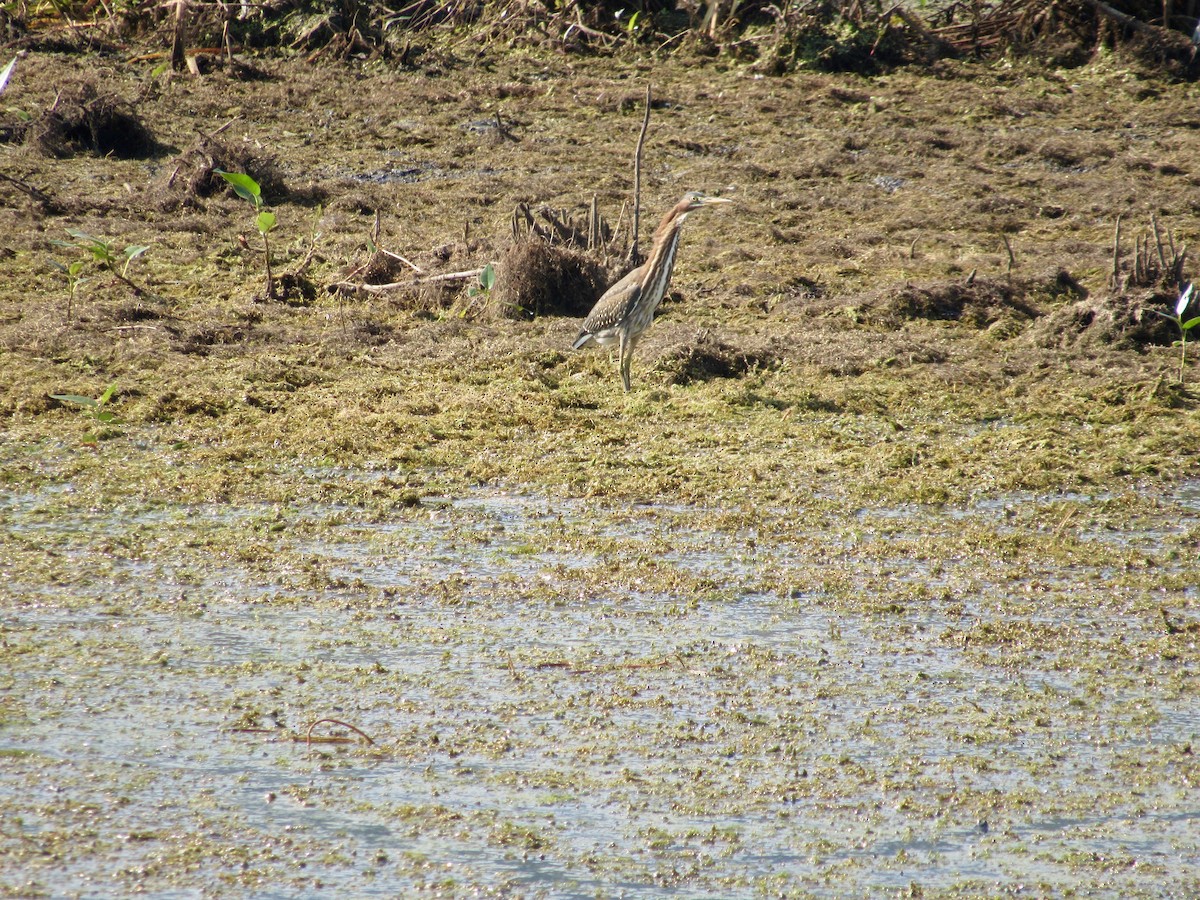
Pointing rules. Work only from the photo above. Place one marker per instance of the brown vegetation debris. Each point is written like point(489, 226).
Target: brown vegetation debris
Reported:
point(976, 302)
point(534, 279)
point(201, 338)
point(580, 230)
point(1123, 321)
point(383, 268)
point(194, 173)
point(704, 357)
point(12, 27)
point(83, 119)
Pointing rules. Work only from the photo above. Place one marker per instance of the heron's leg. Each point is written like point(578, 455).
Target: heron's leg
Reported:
point(626, 358)
point(624, 342)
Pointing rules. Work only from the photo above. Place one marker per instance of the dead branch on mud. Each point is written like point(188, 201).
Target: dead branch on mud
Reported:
point(411, 283)
point(1125, 19)
point(573, 669)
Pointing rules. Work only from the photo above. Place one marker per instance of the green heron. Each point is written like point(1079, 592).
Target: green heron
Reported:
point(624, 312)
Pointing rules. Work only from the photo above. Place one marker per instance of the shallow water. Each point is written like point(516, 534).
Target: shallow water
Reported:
point(577, 700)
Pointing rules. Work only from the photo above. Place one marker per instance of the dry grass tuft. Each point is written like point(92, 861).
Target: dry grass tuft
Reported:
point(84, 120)
point(704, 357)
point(1122, 321)
point(193, 176)
point(975, 302)
point(537, 279)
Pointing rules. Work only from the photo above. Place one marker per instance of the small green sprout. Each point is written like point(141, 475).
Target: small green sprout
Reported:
point(248, 189)
point(95, 408)
point(104, 253)
point(487, 281)
point(244, 186)
point(1184, 325)
point(74, 280)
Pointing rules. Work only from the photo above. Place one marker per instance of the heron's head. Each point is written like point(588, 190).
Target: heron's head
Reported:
point(694, 200)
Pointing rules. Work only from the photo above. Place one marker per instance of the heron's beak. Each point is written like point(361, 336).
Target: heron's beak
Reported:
point(710, 201)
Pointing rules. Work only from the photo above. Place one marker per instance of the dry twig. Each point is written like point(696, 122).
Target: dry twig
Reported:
point(309, 738)
point(412, 282)
point(634, 255)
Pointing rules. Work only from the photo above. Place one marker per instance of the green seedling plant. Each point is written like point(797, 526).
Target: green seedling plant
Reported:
point(487, 281)
point(75, 280)
point(631, 27)
point(264, 220)
point(484, 282)
point(107, 256)
point(1184, 325)
point(96, 408)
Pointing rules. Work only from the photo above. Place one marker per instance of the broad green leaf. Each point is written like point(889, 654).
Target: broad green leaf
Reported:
point(74, 398)
point(265, 222)
point(83, 236)
point(132, 252)
point(1190, 323)
point(243, 185)
point(100, 249)
point(487, 278)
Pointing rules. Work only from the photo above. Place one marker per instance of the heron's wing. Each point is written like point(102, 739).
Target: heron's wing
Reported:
point(615, 304)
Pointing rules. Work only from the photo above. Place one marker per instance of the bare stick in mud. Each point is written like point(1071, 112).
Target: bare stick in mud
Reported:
point(634, 256)
point(1116, 254)
point(178, 49)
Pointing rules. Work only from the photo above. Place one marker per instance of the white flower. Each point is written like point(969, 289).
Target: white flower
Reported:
point(1185, 297)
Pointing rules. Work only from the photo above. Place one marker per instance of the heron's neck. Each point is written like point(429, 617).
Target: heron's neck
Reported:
point(662, 259)
point(670, 223)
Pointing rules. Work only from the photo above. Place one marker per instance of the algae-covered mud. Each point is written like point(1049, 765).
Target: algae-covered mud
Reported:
point(882, 579)
point(571, 699)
